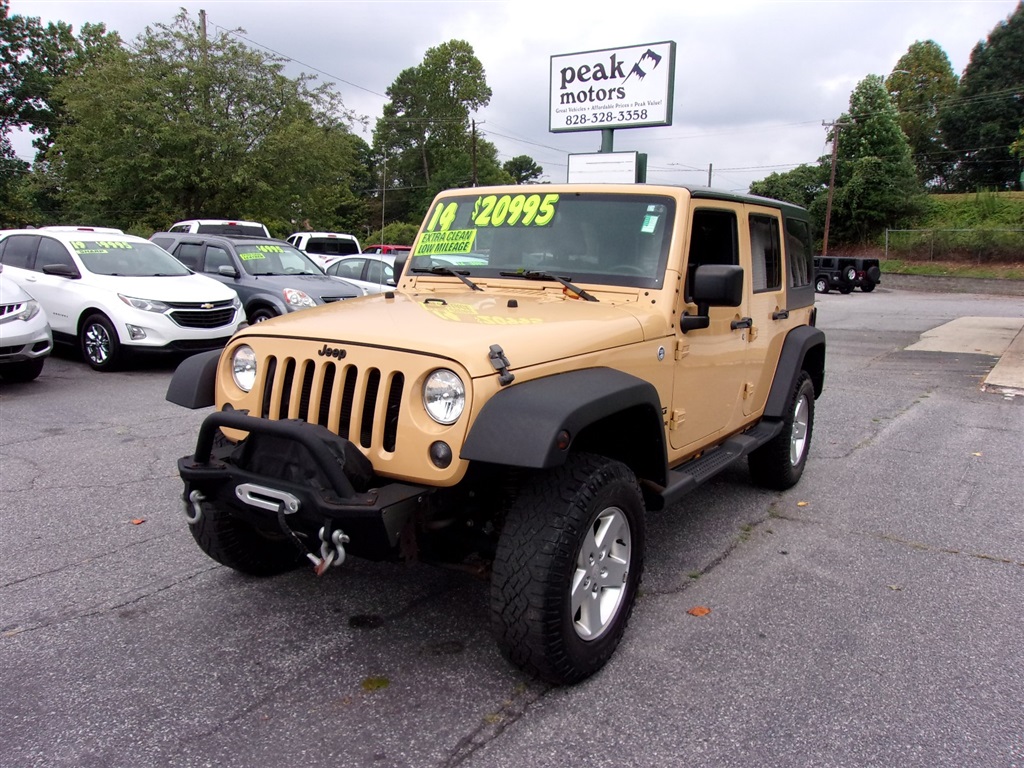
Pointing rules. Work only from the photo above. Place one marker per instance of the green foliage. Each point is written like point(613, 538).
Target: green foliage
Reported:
point(395, 233)
point(987, 115)
point(876, 182)
point(179, 127)
point(523, 169)
point(920, 83)
point(423, 141)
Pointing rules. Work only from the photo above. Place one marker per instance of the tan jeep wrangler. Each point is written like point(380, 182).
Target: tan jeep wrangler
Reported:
point(555, 360)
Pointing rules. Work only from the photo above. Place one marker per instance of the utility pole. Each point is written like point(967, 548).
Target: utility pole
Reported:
point(837, 126)
point(709, 174)
point(474, 152)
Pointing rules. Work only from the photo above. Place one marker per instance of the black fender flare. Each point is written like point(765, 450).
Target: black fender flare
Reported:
point(194, 380)
point(803, 350)
point(520, 425)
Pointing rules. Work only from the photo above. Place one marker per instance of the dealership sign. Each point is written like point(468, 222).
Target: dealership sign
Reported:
point(614, 88)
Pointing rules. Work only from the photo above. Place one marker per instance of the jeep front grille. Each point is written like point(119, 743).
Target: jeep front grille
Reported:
point(216, 314)
point(359, 404)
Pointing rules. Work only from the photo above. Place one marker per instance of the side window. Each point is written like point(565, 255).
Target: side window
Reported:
point(53, 252)
point(179, 228)
point(20, 251)
point(765, 253)
point(378, 272)
point(189, 254)
point(216, 257)
point(713, 240)
point(799, 252)
point(350, 268)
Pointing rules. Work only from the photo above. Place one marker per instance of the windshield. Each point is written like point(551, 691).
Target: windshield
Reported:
point(127, 259)
point(604, 238)
point(274, 259)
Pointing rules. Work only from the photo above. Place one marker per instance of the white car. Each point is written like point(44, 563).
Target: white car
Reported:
point(110, 293)
point(220, 227)
point(373, 272)
point(25, 338)
point(321, 247)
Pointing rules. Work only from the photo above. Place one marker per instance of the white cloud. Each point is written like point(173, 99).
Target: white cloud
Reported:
point(754, 80)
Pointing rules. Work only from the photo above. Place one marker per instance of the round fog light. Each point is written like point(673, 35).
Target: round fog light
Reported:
point(440, 454)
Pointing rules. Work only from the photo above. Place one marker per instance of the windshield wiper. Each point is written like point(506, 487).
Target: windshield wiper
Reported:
point(450, 273)
point(532, 274)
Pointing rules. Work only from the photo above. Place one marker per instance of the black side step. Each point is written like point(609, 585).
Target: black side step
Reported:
point(684, 479)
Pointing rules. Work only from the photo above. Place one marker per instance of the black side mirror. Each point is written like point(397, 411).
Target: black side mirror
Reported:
point(714, 285)
point(61, 270)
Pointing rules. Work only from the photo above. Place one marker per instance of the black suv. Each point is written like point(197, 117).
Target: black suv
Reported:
point(845, 274)
point(271, 277)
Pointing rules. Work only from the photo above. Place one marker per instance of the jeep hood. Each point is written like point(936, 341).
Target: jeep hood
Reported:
point(538, 327)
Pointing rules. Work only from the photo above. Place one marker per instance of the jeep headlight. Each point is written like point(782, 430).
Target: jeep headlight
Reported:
point(444, 396)
point(243, 367)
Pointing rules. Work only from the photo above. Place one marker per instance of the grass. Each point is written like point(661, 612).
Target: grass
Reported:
point(952, 269)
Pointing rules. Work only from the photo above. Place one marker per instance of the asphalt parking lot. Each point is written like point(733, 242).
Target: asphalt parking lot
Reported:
point(870, 616)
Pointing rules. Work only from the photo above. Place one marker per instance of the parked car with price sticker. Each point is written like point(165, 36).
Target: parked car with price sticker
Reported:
point(586, 354)
point(113, 294)
point(271, 277)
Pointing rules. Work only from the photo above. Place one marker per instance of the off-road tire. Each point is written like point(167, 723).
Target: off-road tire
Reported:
point(558, 519)
point(821, 285)
point(867, 286)
point(779, 463)
point(240, 546)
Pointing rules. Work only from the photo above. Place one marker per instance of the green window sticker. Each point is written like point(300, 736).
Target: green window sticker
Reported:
point(650, 224)
point(252, 256)
point(446, 241)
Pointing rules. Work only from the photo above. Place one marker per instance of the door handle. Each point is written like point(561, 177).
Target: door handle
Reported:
point(782, 314)
point(743, 322)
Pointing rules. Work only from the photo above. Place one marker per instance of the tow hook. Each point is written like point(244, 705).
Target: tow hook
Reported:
point(332, 549)
point(195, 514)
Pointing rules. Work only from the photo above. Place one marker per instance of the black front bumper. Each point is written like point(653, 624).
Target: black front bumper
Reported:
point(304, 472)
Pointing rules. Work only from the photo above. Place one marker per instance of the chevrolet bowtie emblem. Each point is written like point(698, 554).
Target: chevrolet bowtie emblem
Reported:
point(207, 306)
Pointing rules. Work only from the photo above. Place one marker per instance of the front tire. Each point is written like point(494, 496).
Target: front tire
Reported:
point(240, 546)
point(780, 462)
point(568, 567)
point(261, 315)
point(99, 343)
point(821, 285)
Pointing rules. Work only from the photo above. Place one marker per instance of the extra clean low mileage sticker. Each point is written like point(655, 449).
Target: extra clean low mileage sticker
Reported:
point(450, 241)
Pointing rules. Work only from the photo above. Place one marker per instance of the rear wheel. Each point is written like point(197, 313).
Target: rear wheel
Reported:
point(867, 286)
point(779, 463)
point(99, 343)
point(567, 568)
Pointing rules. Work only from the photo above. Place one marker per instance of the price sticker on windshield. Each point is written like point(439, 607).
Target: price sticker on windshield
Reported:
point(510, 210)
point(452, 241)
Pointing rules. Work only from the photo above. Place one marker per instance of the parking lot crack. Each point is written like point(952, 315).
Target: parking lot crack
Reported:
point(495, 723)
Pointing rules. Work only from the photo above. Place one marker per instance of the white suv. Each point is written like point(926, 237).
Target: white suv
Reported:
point(108, 293)
point(321, 247)
point(220, 227)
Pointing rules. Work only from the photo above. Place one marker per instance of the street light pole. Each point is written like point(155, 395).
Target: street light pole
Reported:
point(831, 180)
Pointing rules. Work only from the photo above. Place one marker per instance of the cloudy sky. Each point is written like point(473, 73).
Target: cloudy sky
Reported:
point(754, 79)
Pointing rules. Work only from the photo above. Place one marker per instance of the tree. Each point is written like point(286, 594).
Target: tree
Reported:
point(179, 126)
point(920, 84)
point(33, 61)
point(987, 113)
point(423, 141)
point(876, 182)
point(523, 169)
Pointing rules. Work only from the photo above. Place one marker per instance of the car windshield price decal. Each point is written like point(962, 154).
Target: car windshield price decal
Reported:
point(534, 210)
point(449, 241)
point(99, 246)
point(259, 252)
